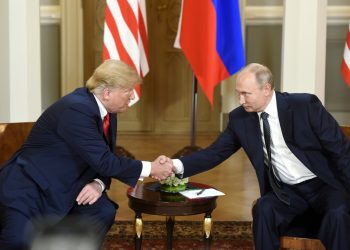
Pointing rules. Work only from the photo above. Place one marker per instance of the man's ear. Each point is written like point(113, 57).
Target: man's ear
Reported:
point(105, 94)
point(267, 88)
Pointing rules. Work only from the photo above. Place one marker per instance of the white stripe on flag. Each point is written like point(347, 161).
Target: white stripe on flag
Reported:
point(135, 7)
point(110, 44)
point(345, 66)
point(142, 4)
point(347, 50)
point(143, 60)
point(177, 38)
point(126, 36)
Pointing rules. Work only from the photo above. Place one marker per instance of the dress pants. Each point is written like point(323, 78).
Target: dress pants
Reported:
point(17, 231)
point(271, 217)
point(101, 215)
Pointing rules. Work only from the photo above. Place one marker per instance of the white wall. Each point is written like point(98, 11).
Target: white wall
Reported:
point(304, 47)
point(20, 98)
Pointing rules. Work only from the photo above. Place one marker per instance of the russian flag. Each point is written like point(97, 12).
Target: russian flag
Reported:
point(210, 36)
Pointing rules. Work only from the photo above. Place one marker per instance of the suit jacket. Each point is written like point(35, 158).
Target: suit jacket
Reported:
point(309, 131)
point(64, 151)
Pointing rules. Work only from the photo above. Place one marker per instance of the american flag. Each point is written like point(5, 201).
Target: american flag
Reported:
point(125, 35)
point(345, 65)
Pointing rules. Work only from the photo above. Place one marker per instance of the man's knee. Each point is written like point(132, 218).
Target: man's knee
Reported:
point(337, 215)
point(262, 207)
point(108, 213)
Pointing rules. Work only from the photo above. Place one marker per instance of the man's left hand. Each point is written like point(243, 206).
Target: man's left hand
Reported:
point(89, 194)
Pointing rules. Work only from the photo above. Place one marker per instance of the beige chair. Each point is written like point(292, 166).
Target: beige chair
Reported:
point(346, 131)
point(298, 243)
point(12, 136)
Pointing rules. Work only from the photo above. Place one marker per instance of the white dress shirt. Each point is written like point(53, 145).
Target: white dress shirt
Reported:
point(146, 165)
point(289, 168)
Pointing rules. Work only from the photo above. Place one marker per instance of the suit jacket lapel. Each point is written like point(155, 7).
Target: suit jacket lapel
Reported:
point(112, 131)
point(96, 110)
point(285, 117)
point(253, 133)
point(252, 130)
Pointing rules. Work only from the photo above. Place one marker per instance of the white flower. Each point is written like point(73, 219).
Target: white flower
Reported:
point(174, 181)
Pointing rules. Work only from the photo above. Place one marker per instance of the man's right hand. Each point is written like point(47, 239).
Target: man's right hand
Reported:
point(161, 168)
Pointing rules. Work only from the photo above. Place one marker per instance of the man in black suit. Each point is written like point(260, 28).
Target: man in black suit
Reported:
point(300, 155)
point(65, 165)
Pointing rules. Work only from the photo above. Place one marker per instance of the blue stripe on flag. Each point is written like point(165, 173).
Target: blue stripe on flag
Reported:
point(229, 42)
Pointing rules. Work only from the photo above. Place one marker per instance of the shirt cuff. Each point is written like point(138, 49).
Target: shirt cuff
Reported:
point(103, 186)
point(179, 166)
point(146, 170)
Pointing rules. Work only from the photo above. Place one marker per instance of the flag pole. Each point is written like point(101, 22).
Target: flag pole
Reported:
point(194, 110)
point(192, 148)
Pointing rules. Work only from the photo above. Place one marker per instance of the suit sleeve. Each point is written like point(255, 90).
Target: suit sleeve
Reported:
point(106, 180)
point(80, 130)
point(222, 148)
point(334, 143)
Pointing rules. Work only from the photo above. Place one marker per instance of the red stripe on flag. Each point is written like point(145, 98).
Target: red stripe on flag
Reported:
point(129, 17)
point(346, 72)
point(138, 89)
point(143, 33)
point(123, 54)
point(199, 45)
point(105, 53)
point(345, 65)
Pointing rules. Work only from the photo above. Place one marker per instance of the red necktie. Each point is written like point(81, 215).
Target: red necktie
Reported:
point(106, 126)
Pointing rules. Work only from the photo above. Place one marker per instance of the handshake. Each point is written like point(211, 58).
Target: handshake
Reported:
point(162, 168)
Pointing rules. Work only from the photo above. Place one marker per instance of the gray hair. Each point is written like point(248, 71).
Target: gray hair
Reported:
point(262, 74)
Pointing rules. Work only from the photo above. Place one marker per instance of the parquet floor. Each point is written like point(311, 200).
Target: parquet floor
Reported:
point(235, 177)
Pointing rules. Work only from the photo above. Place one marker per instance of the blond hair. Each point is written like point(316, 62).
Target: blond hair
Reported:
point(112, 74)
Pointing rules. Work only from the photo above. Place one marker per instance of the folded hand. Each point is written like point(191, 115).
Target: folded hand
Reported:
point(89, 194)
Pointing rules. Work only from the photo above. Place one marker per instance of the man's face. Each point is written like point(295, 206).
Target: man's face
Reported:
point(117, 100)
point(252, 97)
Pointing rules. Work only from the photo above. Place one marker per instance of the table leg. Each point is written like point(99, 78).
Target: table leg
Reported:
point(207, 224)
point(138, 231)
point(170, 220)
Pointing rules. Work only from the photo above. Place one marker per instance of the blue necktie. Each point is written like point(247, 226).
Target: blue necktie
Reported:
point(275, 185)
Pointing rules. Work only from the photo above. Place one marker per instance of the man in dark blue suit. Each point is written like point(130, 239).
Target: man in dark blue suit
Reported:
point(65, 165)
point(303, 164)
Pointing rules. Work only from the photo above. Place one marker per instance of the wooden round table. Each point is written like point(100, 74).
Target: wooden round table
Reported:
point(146, 198)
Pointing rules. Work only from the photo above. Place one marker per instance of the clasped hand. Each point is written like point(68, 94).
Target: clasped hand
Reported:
point(161, 168)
